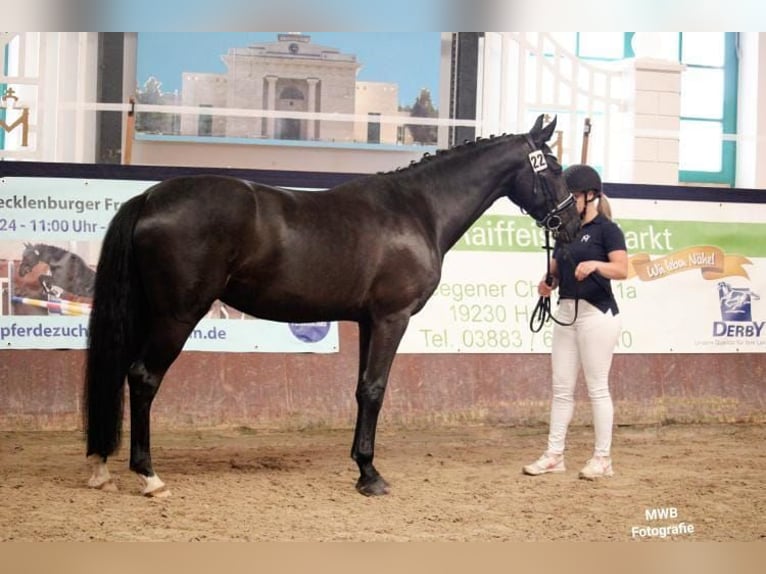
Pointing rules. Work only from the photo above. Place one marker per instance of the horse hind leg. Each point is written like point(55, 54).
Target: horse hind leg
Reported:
point(143, 386)
point(163, 345)
point(100, 477)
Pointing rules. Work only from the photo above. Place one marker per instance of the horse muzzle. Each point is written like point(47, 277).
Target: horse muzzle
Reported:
point(567, 231)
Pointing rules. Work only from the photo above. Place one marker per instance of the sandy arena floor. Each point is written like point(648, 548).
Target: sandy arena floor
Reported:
point(458, 484)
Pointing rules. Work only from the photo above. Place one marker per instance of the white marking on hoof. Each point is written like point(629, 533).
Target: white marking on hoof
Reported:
point(153, 486)
point(100, 477)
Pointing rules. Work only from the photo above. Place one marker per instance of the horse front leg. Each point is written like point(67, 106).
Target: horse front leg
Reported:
point(378, 342)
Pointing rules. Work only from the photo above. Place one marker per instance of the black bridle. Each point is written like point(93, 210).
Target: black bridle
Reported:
point(542, 311)
point(551, 221)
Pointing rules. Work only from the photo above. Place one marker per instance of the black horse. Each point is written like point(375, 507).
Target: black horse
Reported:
point(67, 270)
point(369, 251)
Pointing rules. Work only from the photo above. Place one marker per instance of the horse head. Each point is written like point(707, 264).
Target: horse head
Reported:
point(29, 258)
point(540, 189)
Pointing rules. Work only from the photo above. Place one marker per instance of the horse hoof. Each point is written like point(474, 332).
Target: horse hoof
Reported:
point(153, 487)
point(162, 492)
point(106, 486)
point(375, 487)
point(100, 477)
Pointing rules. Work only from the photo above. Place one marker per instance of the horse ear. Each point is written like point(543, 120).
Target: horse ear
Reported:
point(550, 128)
point(547, 131)
point(542, 134)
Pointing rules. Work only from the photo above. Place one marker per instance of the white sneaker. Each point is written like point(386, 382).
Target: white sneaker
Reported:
point(546, 463)
point(597, 467)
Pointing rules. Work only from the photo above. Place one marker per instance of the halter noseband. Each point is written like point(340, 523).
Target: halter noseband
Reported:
point(551, 221)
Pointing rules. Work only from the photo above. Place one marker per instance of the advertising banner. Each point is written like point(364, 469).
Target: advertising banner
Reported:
point(696, 284)
point(50, 239)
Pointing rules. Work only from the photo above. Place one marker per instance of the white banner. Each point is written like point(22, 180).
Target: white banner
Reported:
point(697, 283)
point(64, 221)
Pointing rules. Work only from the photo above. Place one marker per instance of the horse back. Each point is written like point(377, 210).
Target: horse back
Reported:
point(288, 255)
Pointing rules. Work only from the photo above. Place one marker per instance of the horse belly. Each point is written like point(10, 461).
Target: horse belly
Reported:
point(304, 302)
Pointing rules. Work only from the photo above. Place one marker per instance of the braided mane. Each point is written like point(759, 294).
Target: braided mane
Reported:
point(447, 153)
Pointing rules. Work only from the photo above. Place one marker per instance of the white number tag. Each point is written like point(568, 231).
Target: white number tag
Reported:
point(537, 159)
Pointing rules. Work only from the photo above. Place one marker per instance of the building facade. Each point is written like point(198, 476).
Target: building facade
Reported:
point(286, 80)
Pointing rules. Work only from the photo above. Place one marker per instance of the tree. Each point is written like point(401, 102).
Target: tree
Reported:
point(423, 108)
point(154, 122)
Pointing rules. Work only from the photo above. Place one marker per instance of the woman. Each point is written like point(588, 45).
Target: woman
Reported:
point(588, 323)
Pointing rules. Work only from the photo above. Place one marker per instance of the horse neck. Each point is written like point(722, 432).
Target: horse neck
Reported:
point(466, 185)
point(50, 254)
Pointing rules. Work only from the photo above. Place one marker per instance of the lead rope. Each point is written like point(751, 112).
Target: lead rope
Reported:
point(542, 311)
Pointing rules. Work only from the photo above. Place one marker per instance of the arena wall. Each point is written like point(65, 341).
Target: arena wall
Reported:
point(42, 389)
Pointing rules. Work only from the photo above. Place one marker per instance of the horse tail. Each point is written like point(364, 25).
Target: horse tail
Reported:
point(114, 331)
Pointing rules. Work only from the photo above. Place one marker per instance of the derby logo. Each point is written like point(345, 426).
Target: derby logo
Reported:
point(736, 313)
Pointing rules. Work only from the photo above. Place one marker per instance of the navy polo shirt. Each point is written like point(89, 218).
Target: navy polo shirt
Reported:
point(596, 240)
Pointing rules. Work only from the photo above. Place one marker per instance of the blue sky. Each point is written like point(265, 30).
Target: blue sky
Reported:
point(409, 59)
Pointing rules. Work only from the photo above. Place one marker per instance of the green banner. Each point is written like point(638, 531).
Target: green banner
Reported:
point(508, 233)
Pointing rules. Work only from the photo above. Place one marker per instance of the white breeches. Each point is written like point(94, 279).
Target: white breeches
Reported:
point(587, 345)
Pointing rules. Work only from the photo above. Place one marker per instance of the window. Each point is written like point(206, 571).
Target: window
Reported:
point(708, 93)
point(373, 127)
point(338, 75)
point(205, 122)
point(601, 45)
point(597, 45)
point(708, 107)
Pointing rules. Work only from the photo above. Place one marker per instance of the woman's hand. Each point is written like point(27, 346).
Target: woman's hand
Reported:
point(545, 290)
point(615, 268)
point(585, 268)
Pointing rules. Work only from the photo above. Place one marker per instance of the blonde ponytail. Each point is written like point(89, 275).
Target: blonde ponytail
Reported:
point(603, 206)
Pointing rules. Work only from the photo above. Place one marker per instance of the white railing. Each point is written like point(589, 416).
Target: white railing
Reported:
point(520, 75)
point(45, 69)
point(523, 74)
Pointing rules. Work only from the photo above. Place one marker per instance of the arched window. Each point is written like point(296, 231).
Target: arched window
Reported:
point(291, 93)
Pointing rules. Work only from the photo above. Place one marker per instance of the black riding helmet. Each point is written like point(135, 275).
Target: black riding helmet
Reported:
point(581, 177)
